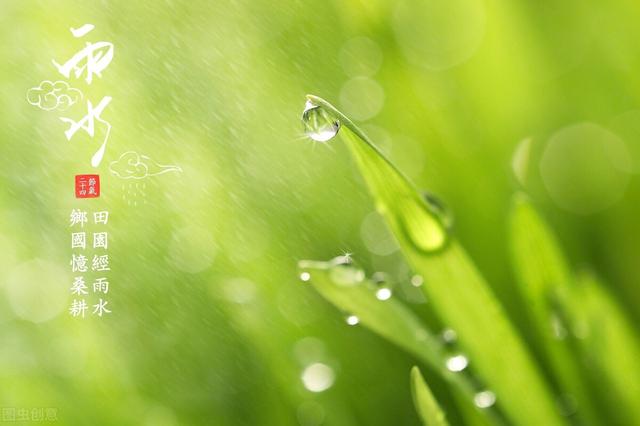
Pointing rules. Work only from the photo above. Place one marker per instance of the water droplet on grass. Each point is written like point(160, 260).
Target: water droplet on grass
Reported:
point(421, 226)
point(319, 124)
point(457, 363)
point(484, 399)
point(449, 335)
point(417, 280)
point(352, 320)
point(383, 294)
point(305, 276)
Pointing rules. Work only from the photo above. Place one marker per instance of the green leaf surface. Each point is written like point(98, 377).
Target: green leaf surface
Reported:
point(346, 288)
point(458, 293)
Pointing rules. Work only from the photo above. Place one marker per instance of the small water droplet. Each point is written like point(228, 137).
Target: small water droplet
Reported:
point(457, 363)
point(305, 276)
point(352, 320)
point(484, 399)
point(422, 226)
point(449, 335)
point(319, 124)
point(417, 280)
point(383, 293)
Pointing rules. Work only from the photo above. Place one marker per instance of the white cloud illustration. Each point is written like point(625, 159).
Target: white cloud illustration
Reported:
point(132, 165)
point(53, 96)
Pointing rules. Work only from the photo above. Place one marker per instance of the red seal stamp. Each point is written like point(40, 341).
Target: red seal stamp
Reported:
point(87, 186)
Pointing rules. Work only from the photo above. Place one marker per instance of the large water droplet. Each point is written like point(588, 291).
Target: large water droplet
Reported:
point(319, 124)
point(421, 226)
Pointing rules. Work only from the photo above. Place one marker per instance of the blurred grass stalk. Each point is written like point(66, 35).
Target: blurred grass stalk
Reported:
point(583, 333)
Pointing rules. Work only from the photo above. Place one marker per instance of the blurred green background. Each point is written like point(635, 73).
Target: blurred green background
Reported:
point(210, 323)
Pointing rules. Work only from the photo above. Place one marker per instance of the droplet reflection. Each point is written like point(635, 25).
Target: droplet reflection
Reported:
point(319, 125)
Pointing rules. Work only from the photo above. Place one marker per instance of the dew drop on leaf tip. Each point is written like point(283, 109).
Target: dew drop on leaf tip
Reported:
point(319, 124)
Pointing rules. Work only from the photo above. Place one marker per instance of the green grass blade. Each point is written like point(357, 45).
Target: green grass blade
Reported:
point(546, 284)
point(610, 345)
point(426, 405)
point(459, 294)
point(346, 288)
